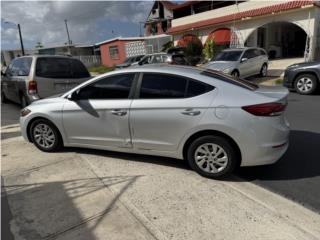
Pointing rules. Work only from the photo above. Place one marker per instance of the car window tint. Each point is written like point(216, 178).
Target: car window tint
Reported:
point(113, 87)
point(54, 68)
point(162, 86)
point(14, 67)
point(78, 69)
point(24, 65)
point(196, 88)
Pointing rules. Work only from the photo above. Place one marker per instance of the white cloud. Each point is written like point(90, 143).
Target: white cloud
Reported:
point(44, 21)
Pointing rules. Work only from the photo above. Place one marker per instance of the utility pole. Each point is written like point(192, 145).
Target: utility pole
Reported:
point(69, 41)
point(20, 35)
point(21, 42)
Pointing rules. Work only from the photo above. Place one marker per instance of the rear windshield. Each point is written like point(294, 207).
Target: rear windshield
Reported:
point(60, 68)
point(228, 56)
point(226, 78)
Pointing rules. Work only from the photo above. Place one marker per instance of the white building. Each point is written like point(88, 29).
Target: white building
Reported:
point(286, 29)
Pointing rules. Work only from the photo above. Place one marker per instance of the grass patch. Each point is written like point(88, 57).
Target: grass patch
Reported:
point(279, 81)
point(100, 69)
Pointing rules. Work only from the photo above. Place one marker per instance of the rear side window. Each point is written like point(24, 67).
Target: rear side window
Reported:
point(165, 86)
point(196, 88)
point(78, 69)
point(113, 87)
point(162, 86)
point(60, 68)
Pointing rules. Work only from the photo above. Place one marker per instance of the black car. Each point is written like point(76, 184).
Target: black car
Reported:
point(303, 77)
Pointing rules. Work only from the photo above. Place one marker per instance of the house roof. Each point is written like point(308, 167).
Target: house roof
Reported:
point(277, 8)
point(130, 39)
point(173, 6)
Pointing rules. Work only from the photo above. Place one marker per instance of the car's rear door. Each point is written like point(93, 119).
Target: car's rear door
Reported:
point(100, 115)
point(55, 75)
point(167, 106)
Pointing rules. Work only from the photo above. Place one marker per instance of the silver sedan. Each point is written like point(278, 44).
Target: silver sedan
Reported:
point(213, 121)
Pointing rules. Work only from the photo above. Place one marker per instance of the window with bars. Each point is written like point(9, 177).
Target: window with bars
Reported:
point(114, 52)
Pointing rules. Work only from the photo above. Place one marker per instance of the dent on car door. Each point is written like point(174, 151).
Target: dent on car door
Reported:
point(99, 116)
point(167, 107)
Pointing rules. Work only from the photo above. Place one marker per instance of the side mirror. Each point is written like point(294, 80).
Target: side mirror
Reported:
point(74, 96)
point(3, 74)
point(244, 59)
point(140, 63)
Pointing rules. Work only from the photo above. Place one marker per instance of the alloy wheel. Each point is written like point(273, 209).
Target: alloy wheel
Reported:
point(304, 84)
point(211, 158)
point(44, 135)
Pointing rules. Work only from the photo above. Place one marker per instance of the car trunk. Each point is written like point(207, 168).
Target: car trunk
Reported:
point(279, 93)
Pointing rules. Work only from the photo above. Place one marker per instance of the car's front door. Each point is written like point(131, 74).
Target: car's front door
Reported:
point(167, 107)
point(99, 114)
point(247, 63)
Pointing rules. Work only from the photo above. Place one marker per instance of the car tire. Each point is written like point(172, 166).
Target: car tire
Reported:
point(235, 74)
point(306, 84)
point(4, 99)
point(23, 101)
point(45, 136)
point(212, 156)
point(264, 70)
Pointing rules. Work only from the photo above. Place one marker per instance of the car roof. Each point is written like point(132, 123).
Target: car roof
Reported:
point(45, 55)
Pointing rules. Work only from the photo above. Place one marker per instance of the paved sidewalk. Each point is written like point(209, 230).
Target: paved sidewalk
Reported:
point(90, 194)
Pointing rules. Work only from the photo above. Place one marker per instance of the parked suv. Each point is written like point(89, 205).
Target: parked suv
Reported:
point(241, 62)
point(303, 77)
point(31, 78)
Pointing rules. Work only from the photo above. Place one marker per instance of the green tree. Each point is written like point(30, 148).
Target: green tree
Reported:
point(166, 46)
point(210, 49)
point(194, 52)
point(39, 45)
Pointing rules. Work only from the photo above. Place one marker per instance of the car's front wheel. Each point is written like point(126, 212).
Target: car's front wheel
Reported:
point(264, 70)
point(45, 135)
point(212, 156)
point(306, 84)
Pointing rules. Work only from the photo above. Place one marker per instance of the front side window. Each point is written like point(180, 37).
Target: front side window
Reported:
point(113, 87)
point(114, 52)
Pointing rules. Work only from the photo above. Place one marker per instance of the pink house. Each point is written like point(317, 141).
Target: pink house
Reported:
point(114, 51)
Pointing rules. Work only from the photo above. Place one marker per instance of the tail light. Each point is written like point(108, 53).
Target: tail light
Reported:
point(32, 87)
point(266, 109)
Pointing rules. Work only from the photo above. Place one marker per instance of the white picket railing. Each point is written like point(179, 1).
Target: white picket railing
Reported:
point(89, 61)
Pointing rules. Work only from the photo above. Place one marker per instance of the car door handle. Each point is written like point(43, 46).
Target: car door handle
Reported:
point(191, 112)
point(118, 112)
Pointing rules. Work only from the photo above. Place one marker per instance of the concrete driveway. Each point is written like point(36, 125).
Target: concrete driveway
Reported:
point(91, 194)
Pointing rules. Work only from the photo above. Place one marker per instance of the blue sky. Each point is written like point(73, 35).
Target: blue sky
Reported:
point(88, 21)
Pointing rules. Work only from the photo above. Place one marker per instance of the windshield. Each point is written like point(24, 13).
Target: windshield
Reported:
point(228, 56)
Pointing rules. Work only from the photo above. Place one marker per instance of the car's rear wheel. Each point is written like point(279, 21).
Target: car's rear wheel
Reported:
point(235, 74)
point(306, 84)
point(264, 70)
point(23, 101)
point(212, 156)
point(45, 135)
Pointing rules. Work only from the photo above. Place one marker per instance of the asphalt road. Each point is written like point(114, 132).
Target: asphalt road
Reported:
point(296, 175)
